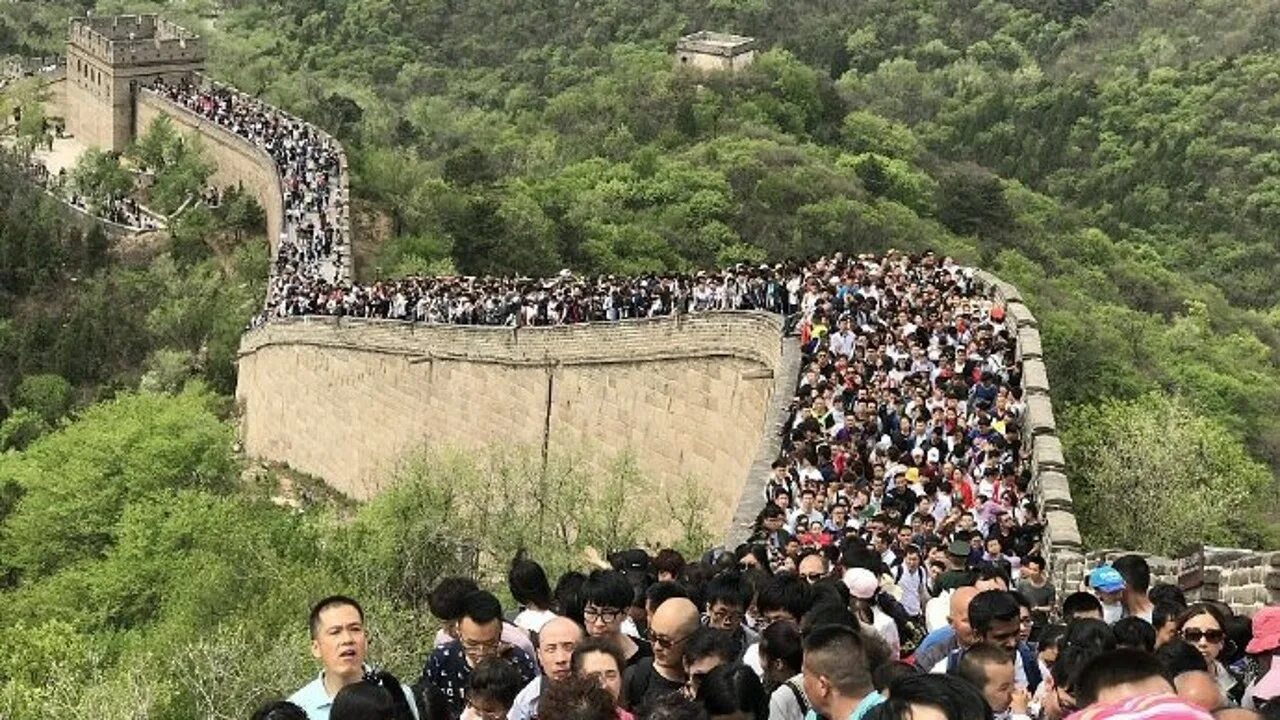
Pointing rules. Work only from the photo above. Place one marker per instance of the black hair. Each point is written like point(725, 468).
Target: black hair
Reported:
point(661, 592)
point(1136, 633)
point(733, 688)
point(528, 583)
point(497, 679)
point(279, 710)
point(839, 653)
point(1084, 639)
point(829, 590)
point(957, 699)
point(1037, 559)
point(669, 561)
point(568, 595)
point(882, 677)
point(379, 696)
point(1164, 611)
point(728, 588)
point(785, 592)
point(990, 606)
point(671, 706)
point(1179, 656)
point(607, 589)
point(828, 613)
point(972, 666)
point(445, 600)
point(1164, 592)
point(1021, 599)
point(1080, 602)
point(313, 620)
point(1135, 571)
point(1117, 667)
point(781, 641)
point(991, 571)
point(481, 607)
point(711, 642)
point(1239, 631)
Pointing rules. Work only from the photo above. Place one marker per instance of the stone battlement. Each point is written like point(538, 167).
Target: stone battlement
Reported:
point(135, 39)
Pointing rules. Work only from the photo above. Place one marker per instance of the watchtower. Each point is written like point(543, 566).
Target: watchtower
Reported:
point(108, 58)
point(708, 51)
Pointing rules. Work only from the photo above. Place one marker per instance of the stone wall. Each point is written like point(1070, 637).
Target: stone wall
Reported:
point(346, 399)
point(238, 161)
point(1244, 579)
point(1063, 546)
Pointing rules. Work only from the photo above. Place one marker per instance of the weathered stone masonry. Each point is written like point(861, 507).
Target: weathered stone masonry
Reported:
point(346, 399)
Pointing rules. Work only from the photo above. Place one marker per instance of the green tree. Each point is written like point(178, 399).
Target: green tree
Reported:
point(99, 177)
point(1191, 479)
point(77, 481)
point(49, 396)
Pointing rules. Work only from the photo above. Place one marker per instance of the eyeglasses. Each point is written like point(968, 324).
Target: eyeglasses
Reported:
point(812, 577)
point(1195, 635)
point(604, 615)
point(483, 649)
point(663, 640)
point(726, 617)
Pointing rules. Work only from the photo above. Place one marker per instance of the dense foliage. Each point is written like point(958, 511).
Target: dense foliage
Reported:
point(143, 578)
point(1116, 160)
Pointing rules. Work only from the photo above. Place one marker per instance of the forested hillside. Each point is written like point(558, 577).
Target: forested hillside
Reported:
point(1104, 157)
point(1118, 161)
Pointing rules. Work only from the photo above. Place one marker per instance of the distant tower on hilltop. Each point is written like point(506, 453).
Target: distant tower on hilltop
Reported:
point(108, 58)
point(708, 51)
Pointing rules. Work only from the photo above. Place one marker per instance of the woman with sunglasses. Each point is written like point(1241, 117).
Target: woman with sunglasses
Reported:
point(1204, 626)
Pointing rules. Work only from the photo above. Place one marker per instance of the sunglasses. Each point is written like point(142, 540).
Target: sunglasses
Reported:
point(1195, 635)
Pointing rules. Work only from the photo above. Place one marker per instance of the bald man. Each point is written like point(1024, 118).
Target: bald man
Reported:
point(957, 634)
point(556, 641)
point(650, 678)
point(1200, 689)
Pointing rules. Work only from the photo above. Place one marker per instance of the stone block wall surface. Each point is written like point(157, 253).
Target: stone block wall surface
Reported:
point(345, 400)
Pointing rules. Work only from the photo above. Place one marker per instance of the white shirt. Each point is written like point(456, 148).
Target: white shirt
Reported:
point(526, 702)
point(532, 620)
point(783, 704)
point(887, 629)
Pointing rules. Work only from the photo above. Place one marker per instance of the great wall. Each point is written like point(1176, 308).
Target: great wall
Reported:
point(655, 387)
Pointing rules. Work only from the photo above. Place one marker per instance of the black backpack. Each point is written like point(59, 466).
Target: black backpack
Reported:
point(911, 631)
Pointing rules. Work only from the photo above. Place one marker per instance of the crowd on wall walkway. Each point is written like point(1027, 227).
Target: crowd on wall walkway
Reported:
point(123, 211)
point(894, 569)
point(312, 244)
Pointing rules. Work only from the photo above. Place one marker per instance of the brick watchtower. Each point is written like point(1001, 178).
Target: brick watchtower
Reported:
point(108, 58)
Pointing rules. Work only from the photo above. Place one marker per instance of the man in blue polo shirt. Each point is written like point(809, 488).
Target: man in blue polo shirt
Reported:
point(339, 642)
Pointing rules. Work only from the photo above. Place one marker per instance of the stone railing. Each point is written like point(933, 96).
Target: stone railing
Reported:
point(1062, 544)
point(1244, 579)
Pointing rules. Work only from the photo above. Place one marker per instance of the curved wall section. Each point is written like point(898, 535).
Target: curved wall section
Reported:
point(345, 399)
point(238, 162)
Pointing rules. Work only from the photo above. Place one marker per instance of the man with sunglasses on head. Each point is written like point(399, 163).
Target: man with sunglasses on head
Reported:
point(674, 622)
point(479, 633)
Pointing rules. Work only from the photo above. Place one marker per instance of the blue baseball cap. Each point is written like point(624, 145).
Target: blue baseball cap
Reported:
point(1106, 579)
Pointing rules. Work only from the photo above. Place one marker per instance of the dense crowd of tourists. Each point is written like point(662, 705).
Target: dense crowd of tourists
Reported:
point(119, 210)
point(894, 571)
point(313, 245)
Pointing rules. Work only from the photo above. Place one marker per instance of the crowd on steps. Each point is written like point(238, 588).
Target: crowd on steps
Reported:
point(894, 571)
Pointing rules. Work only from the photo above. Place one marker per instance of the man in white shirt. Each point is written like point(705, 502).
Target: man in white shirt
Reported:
point(556, 641)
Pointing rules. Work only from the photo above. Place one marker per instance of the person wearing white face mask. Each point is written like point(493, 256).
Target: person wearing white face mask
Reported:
point(1108, 585)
